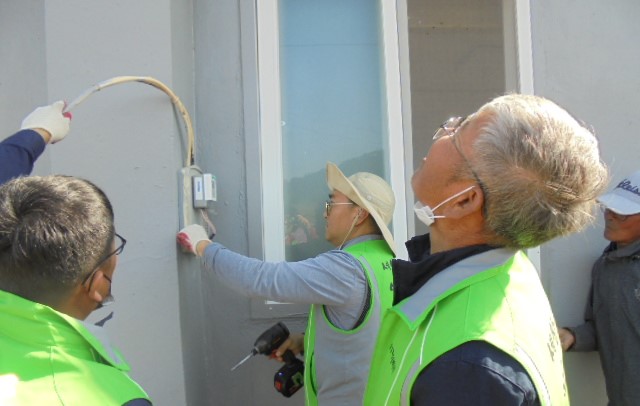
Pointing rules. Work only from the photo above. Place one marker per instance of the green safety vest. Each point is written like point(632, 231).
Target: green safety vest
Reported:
point(337, 361)
point(50, 358)
point(494, 297)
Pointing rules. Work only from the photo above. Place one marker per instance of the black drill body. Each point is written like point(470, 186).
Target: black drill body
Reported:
point(290, 378)
point(271, 339)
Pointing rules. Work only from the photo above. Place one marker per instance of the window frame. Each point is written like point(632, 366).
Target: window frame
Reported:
point(269, 149)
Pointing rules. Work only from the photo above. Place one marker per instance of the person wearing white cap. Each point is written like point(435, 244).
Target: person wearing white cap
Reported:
point(348, 288)
point(47, 124)
point(612, 319)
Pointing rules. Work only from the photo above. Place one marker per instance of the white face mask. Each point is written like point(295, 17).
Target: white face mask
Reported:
point(425, 213)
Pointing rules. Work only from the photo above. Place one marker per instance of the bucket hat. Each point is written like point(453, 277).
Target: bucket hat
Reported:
point(368, 191)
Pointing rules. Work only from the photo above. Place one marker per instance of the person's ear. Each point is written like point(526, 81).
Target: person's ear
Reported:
point(84, 298)
point(93, 291)
point(467, 203)
point(361, 216)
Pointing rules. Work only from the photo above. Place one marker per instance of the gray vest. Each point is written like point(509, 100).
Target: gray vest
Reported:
point(341, 358)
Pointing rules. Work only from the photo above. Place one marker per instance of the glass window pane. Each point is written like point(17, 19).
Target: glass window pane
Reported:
point(333, 107)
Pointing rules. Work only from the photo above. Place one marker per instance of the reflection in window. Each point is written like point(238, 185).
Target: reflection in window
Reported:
point(333, 106)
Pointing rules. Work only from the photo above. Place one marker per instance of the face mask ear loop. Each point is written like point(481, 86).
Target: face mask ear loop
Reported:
point(452, 197)
point(353, 224)
point(420, 206)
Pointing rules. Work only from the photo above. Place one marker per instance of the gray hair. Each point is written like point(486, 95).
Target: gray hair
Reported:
point(541, 171)
point(53, 232)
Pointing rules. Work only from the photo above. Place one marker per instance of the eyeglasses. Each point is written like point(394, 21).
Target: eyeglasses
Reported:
point(117, 251)
point(328, 204)
point(449, 129)
point(109, 299)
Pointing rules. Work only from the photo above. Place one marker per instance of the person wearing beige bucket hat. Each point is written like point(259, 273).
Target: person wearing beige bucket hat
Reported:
point(612, 320)
point(348, 288)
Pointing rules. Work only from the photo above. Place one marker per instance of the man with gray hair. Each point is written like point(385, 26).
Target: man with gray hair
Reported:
point(471, 323)
point(58, 254)
point(348, 288)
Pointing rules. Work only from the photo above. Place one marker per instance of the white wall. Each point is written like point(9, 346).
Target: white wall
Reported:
point(586, 57)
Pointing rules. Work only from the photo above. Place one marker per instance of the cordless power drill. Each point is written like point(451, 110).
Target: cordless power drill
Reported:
point(290, 377)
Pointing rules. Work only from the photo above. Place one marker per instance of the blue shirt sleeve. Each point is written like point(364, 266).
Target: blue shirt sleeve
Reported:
point(18, 153)
point(475, 373)
point(334, 279)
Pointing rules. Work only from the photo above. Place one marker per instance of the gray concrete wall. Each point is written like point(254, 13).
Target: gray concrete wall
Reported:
point(124, 138)
point(227, 117)
point(586, 57)
point(23, 69)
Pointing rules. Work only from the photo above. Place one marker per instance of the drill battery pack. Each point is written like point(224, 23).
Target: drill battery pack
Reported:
point(290, 377)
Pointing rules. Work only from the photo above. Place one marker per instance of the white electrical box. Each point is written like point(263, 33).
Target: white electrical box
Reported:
point(210, 187)
point(204, 190)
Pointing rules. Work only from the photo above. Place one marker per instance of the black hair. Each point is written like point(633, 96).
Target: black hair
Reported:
point(53, 231)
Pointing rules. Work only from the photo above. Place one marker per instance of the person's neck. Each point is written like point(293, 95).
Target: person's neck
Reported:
point(619, 244)
point(357, 231)
point(441, 241)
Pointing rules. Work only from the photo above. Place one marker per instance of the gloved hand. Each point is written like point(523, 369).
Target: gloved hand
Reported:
point(51, 119)
point(189, 237)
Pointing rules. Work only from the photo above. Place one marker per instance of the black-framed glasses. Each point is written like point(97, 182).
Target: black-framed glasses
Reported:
point(329, 203)
point(109, 299)
point(117, 251)
point(449, 129)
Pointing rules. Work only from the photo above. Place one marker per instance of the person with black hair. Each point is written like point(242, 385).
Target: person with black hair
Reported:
point(58, 254)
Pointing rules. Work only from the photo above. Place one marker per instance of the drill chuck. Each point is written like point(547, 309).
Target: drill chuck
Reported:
point(290, 377)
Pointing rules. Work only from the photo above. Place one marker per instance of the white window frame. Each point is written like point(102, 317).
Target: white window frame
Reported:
point(270, 123)
point(517, 35)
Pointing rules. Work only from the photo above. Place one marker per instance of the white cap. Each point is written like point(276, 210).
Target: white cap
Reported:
point(625, 198)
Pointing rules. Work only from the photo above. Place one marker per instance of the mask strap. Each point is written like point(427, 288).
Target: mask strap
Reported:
point(419, 206)
point(451, 198)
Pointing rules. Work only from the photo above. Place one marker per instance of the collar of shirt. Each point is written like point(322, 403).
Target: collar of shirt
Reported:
point(613, 252)
point(362, 238)
point(409, 276)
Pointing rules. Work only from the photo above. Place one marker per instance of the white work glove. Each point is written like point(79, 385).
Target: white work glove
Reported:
point(51, 119)
point(189, 237)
